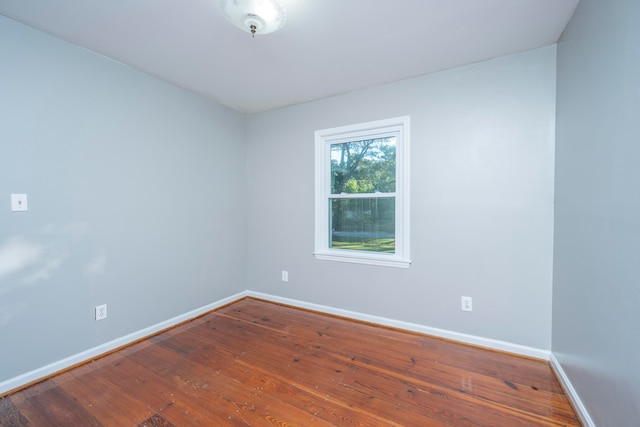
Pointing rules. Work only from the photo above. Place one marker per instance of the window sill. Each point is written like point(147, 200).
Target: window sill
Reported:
point(358, 259)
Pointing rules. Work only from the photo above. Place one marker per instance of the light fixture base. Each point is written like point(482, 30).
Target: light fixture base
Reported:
point(254, 16)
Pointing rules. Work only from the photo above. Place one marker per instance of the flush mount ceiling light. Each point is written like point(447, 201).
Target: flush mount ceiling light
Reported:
point(254, 16)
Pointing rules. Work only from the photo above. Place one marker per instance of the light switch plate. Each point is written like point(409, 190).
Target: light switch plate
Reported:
point(19, 203)
point(467, 304)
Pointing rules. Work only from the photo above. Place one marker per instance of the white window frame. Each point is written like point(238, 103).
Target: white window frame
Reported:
point(399, 126)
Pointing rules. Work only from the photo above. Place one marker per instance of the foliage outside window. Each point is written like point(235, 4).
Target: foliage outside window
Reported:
point(362, 193)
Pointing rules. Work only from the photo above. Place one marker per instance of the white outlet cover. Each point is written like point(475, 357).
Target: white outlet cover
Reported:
point(19, 203)
point(101, 312)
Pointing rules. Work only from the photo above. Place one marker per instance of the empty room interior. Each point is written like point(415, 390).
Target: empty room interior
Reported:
point(162, 161)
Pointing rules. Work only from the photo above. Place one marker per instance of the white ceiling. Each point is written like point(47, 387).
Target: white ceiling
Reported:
point(326, 47)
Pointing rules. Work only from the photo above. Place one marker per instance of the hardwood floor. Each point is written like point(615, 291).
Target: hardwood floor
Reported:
point(255, 363)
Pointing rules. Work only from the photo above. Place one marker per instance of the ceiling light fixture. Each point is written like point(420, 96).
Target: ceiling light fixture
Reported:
point(254, 16)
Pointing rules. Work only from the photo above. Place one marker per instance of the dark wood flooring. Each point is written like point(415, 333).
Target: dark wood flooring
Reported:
point(255, 363)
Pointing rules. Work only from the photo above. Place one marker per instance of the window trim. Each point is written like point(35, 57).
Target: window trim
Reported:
point(323, 141)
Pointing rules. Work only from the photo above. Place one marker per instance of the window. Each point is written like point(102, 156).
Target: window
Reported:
point(362, 193)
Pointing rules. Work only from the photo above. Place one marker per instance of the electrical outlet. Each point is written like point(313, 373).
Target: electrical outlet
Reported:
point(101, 312)
point(285, 276)
point(467, 304)
point(19, 203)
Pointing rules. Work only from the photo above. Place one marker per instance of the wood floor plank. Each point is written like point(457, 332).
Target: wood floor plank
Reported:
point(234, 329)
point(485, 387)
point(506, 382)
point(283, 361)
point(361, 337)
point(156, 420)
point(266, 382)
point(254, 363)
point(325, 407)
point(104, 399)
point(231, 397)
point(52, 406)
point(10, 415)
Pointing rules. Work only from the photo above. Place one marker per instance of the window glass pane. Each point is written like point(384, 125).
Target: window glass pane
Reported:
point(363, 224)
point(366, 166)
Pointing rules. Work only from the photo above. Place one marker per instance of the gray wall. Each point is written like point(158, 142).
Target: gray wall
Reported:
point(136, 194)
point(596, 289)
point(482, 155)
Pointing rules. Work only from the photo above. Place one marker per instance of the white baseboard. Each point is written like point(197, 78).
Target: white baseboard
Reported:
point(87, 355)
point(92, 353)
point(442, 333)
point(581, 410)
